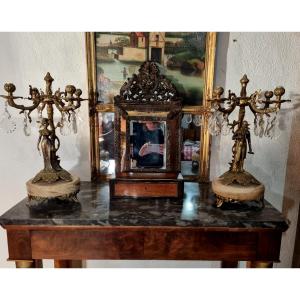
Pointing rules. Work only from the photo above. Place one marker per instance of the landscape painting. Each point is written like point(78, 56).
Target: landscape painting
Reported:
point(180, 55)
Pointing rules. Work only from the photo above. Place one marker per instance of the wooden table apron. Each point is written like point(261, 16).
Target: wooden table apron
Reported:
point(191, 229)
point(160, 243)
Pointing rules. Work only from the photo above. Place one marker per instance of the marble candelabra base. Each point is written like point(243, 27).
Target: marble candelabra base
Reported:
point(236, 192)
point(44, 193)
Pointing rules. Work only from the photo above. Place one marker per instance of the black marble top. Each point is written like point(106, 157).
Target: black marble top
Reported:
point(197, 209)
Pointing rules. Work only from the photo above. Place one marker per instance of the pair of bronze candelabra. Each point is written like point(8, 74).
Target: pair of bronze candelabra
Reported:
point(234, 185)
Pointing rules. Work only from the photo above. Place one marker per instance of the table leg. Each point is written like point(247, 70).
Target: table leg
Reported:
point(35, 263)
point(259, 264)
point(68, 263)
point(229, 264)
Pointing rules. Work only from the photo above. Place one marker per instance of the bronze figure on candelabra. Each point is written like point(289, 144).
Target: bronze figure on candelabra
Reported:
point(52, 182)
point(237, 184)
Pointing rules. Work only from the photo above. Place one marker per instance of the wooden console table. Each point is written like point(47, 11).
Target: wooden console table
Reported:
point(144, 229)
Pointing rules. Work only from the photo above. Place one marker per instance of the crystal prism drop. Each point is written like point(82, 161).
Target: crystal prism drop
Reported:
point(225, 129)
point(213, 124)
point(267, 129)
point(184, 122)
point(39, 115)
point(73, 122)
point(256, 127)
point(189, 118)
point(197, 120)
point(27, 127)
point(64, 125)
point(276, 132)
point(261, 124)
point(79, 119)
point(6, 122)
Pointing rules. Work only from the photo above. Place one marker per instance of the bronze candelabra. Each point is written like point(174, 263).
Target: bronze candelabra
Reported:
point(48, 143)
point(237, 184)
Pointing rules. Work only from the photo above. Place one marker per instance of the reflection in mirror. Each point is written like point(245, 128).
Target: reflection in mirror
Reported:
point(190, 154)
point(147, 144)
point(106, 143)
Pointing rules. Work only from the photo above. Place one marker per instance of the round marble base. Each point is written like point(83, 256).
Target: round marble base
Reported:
point(237, 192)
point(42, 193)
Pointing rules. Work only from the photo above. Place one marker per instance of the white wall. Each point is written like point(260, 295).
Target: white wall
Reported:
point(268, 59)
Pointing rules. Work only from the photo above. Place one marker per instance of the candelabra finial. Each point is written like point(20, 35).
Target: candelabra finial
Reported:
point(244, 81)
point(48, 78)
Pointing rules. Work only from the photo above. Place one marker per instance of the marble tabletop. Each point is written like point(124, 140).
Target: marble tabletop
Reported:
point(196, 209)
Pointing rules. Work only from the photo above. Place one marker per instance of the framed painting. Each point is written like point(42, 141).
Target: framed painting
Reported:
point(185, 58)
point(181, 56)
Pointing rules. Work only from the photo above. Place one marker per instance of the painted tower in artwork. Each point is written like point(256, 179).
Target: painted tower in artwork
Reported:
point(157, 46)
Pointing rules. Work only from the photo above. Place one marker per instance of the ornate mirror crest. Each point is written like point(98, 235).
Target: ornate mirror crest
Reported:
point(147, 86)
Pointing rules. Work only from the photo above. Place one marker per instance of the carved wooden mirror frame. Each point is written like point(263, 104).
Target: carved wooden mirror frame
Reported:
point(146, 97)
point(95, 108)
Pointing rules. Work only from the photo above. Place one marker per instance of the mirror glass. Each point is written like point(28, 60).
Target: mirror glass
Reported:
point(147, 144)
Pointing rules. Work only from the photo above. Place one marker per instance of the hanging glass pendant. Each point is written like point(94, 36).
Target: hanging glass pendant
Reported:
point(64, 125)
point(27, 127)
point(256, 127)
point(213, 124)
point(268, 125)
point(6, 122)
point(197, 120)
point(189, 118)
point(261, 124)
point(186, 120)
point(271, 128)
point(78, 117)
point(73, 122)
point(274, 128)
point(39, 114)
point(225, 129)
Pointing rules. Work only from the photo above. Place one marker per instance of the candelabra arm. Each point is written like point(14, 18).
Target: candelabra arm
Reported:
point(70, 91)
point(278, 92)
point(255, 110)
point(78, 102)
point(10, 98)
point(23, 107)
point(227, 110)
point(61, 106)
point(218, 100)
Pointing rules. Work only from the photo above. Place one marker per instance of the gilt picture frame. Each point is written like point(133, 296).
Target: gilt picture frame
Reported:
point(100, 108)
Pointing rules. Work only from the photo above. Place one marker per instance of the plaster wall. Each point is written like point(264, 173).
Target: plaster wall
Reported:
point(269, 59)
